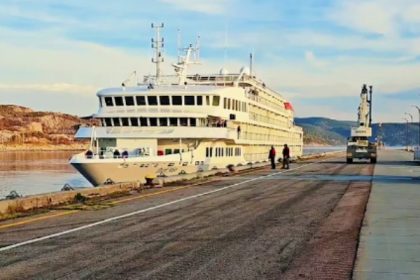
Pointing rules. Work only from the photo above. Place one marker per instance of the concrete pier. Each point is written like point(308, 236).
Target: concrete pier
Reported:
point(389, 246)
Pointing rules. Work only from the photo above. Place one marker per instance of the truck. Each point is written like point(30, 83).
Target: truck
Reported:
point(359, 145)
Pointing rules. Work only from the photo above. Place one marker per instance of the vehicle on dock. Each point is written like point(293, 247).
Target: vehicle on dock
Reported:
point(358, 144)
point(171, 125)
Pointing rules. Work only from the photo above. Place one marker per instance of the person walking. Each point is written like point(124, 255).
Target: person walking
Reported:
point(286, 157)
point(272, 157)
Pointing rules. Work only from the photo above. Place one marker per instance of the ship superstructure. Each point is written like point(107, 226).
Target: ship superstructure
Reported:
point(170, 125)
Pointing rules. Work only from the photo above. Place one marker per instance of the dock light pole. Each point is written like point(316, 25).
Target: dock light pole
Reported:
point(418, 109)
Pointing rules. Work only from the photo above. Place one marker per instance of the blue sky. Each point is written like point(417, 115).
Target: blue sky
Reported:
point(55, 55)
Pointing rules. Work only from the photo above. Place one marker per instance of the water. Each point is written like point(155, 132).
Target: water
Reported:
point(309, 150)
point(30, 172)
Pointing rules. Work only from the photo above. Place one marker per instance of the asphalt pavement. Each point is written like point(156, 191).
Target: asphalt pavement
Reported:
point(264, 224)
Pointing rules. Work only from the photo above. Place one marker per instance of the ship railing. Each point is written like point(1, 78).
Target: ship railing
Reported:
point(215, 79)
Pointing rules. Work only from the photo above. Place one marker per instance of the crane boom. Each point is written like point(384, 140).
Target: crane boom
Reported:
point(358, 145)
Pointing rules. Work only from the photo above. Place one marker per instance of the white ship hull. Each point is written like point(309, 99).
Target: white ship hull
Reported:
point(99, 170)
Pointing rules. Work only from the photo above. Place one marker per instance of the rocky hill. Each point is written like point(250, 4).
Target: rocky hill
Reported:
point(332, 132)
point(21, 126)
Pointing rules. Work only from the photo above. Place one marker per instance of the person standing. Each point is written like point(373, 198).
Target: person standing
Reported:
point(272, 157)
point(286, 157)
point(238, 130)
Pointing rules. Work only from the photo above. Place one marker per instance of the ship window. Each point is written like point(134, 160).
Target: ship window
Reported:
point(207, 152)
point(108, 101)
point(199, 100)
point(224, 102)
point(134, 121)
point(183, 121)
point(163, 121)
point(216, 100)
point(193, 122)
point(152, 100)
point(129, 101)
point(116, 121)
point(222, 152)
point(189, 100)
point(141, 100)
point(207, 100)
point(168, 151)
point(143, 121)
point(124, 121)
point(153, 121)
point(118, 101)
point(176, 100)
point(164, 100)
point(173, 121)
point(108, 122)
point(211, 152)
point(228, 103)
point(176, 151)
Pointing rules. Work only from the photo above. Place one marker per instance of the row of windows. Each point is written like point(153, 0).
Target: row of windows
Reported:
point(153, 100)
point(233, 104)
point(149, 122)
point(221, 152)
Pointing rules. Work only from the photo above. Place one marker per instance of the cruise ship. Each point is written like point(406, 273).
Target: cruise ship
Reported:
point(184, 123)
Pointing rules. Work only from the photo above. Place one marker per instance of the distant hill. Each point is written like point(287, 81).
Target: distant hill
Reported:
point(332, 132)
point(21, 126)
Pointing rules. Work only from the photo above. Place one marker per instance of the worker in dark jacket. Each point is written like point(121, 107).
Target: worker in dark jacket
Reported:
point(272, 157)
point(286, 157)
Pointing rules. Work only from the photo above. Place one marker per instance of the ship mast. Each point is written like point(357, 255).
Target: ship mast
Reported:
point(192, 56)
point(158, 45)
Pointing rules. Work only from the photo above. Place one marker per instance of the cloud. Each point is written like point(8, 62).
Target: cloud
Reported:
point(366, 16)
point(206, 7)
point(53, 88)
point(313, 60)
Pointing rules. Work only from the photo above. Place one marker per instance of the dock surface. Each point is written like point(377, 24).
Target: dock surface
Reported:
point(301, 223)
point(390, 237)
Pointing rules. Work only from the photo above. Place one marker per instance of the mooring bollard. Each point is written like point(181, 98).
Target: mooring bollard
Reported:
point(149, 179)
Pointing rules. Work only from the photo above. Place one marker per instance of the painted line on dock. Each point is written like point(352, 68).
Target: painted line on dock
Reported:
point(38, 219)
point(115, 218)
point(28, 221)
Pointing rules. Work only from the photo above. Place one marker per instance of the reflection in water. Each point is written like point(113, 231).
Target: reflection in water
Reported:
point(37, 172)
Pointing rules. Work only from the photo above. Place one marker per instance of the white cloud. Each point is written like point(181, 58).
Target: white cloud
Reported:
point(53, 88)
point(206, 7)
point(412, 15)
point(313, 60)
point(366, 16)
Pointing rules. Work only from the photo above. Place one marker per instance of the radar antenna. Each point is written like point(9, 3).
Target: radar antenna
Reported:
point(158, 44)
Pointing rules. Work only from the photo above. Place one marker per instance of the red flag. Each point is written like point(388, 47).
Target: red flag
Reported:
point(288, 106)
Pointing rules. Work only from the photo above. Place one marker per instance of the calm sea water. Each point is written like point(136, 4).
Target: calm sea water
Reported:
point(37, 172)
point(41, 172)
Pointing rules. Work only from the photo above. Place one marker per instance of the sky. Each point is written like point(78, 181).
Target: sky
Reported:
point(55, 55)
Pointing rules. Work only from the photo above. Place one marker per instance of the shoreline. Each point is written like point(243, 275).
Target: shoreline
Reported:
point(41, 148)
